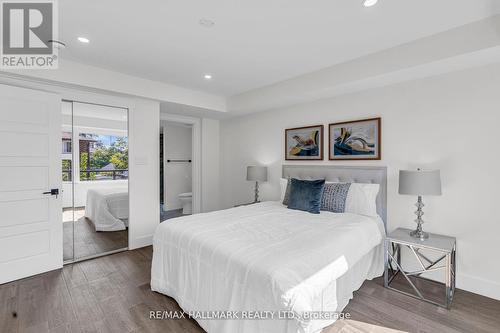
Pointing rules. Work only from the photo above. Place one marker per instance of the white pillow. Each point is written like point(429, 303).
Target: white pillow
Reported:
point(283, 184)
point(362, 199)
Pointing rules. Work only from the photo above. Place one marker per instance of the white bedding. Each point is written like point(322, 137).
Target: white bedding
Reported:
point(107, 208)
point(265, 257)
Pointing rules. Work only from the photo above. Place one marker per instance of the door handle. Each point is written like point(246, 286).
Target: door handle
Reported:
point(54, 191)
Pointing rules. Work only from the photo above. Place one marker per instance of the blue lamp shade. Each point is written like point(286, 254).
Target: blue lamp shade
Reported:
point(257, 173)
point(420, 182)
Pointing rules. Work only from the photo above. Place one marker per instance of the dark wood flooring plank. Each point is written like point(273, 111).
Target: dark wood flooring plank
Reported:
point(32, 309)
point(87, 308)
point(8, 307)
point(57, 299)
point(146, 252)
point(93, 269)
point(140, 314)
point(42, 327)
point(394, 317)
point(119, 321)
point(74, 276)
point(461, 317)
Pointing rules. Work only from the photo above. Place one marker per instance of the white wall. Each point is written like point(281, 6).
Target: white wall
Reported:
point(177, 145)
point(448, 122)
point(144, 172)
point(210, 162)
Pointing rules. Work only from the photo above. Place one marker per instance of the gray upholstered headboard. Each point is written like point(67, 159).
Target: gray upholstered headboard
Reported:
point(342, 173)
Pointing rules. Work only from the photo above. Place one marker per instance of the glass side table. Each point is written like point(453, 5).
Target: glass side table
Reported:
point(443, 246)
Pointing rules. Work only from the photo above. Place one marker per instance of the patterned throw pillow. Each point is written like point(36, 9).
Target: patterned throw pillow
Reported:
point(334, 197)
point(287, 192)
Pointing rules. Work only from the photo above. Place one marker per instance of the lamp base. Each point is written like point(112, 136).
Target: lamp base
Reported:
point(419, 234)
point(256, 192)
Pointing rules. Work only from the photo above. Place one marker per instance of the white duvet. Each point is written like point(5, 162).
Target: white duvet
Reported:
point(108, 208)
point(265, 257)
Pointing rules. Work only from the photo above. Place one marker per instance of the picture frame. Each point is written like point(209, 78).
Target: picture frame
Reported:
point(355, 140)
point(304, 143)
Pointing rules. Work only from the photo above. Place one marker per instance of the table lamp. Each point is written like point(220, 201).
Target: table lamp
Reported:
point(419, 182)
point(257, 174)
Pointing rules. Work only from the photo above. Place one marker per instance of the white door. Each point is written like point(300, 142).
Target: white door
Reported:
point(30, 164)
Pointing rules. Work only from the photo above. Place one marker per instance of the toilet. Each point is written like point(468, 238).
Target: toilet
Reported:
point(186, 200)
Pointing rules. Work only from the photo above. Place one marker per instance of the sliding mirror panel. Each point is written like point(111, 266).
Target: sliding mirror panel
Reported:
point(98, 193)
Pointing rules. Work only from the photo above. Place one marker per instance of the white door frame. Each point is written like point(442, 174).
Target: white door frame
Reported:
point(196, 166)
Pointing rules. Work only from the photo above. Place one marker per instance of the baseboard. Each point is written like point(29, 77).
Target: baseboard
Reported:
point(479, 286)
point(139, 242)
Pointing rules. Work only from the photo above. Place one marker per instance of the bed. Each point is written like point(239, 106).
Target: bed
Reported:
point(291, 269)
point(108, 208)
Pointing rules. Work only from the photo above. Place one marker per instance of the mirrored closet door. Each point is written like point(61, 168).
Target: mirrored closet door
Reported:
point(94, 160)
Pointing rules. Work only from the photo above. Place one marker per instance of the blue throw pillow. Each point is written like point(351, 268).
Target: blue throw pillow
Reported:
point(306, 195)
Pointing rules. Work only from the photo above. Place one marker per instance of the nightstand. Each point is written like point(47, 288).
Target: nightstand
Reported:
point(439, 256)
point(247, 204)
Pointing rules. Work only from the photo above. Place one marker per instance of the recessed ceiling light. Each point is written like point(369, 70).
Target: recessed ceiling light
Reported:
point(207, 76)
point(83, 40)
point(204, 22)
point(369, 3)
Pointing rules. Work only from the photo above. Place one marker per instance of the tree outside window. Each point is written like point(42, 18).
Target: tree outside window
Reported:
point(66, 171)
point(103, 157)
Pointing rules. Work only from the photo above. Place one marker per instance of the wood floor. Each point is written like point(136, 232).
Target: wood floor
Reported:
point(89, 242)
point(112, 294)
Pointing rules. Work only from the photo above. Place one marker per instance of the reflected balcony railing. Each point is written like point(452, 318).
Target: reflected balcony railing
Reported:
point(96, 174)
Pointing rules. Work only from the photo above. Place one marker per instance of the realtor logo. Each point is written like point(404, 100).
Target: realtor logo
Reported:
point(28, 27)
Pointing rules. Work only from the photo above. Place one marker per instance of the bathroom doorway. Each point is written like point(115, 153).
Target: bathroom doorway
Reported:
point(176, 169)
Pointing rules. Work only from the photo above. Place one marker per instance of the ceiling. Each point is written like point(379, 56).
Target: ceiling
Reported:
point(253, 43)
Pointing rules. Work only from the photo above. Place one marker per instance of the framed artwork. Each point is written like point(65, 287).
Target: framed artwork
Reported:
point(355, 140)
point(304, 143)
